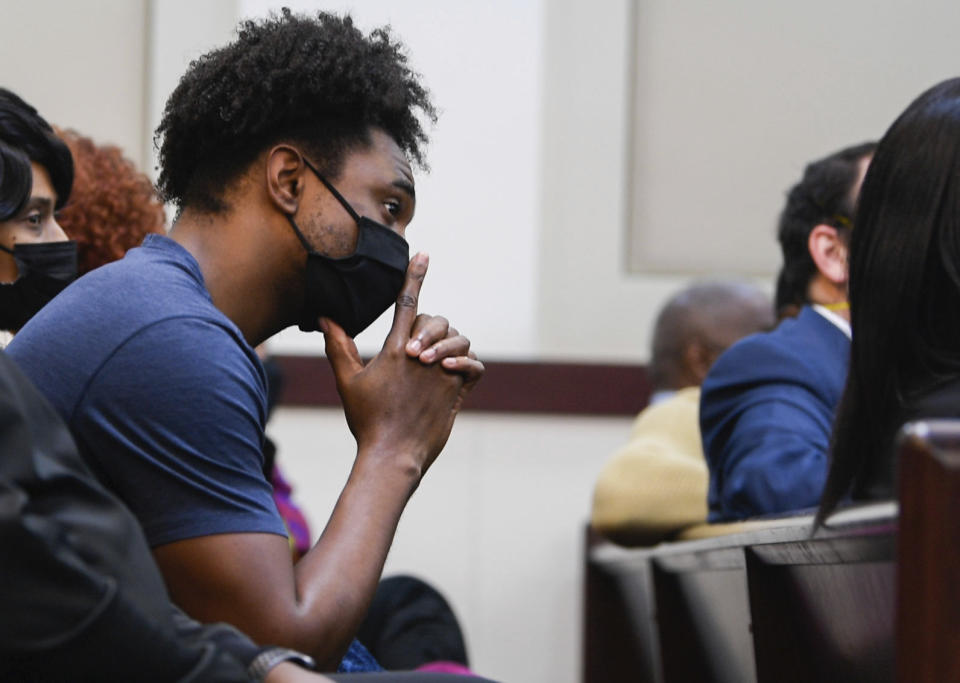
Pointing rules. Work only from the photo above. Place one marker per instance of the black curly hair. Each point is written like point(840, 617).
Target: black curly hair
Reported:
point(823, 196)
point(318, 81)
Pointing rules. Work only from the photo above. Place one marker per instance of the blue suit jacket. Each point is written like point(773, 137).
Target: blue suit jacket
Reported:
point(766, 413)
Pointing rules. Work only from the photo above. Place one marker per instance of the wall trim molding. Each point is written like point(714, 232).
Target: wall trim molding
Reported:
point(557, 388)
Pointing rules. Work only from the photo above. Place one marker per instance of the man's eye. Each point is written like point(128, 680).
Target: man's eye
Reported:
point(393, 207)
point(34, 219)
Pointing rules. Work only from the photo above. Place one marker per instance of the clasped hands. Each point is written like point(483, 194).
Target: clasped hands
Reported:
point(404, 400)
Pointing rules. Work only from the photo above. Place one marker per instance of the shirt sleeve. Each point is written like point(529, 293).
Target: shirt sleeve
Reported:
point(766, 413)
point(173, 423)
point(775, 456)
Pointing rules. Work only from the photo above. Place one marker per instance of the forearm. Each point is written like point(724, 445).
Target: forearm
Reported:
point(336, 579)
point(401, 411)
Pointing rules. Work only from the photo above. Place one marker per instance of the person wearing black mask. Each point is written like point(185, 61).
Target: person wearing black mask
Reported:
point(36, 172)
point(288, 155)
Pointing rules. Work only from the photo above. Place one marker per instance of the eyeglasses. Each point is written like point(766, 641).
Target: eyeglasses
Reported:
point(842, 220)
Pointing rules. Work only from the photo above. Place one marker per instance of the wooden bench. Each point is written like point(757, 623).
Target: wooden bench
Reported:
point(766, 601)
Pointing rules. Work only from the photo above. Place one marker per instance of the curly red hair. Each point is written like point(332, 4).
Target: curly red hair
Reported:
point(112, 206)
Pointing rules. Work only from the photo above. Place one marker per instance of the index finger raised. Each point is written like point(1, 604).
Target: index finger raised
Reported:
point(405, 312)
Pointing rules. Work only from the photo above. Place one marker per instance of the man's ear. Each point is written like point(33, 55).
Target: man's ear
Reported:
point(829, 253)
point(698, 359)
point(284, 168)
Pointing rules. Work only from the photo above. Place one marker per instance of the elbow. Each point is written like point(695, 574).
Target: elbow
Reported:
point(765, 488)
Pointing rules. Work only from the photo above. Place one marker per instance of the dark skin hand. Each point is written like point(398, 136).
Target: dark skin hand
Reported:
point(384, 386)
point(400, 407)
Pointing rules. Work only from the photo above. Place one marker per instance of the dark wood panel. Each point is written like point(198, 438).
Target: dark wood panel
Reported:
point(766, 604)
point(928, 605)
point(615, 651)
point(823, 622)
point(872, 546)
point(508, 386)
point(703, 620)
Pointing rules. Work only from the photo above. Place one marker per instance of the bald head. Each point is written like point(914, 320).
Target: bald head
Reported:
point(698, 324)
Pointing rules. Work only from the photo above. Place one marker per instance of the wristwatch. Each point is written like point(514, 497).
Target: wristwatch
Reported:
point(269, 658)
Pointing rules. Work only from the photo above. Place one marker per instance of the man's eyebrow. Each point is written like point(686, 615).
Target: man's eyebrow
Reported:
point(406, 186)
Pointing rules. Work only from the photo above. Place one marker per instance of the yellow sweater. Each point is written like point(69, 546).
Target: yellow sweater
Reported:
point(657, 483)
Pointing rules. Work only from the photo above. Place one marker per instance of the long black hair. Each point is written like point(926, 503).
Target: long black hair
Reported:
point(904, 291)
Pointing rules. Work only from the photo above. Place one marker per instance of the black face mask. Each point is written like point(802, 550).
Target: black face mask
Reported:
point(353, 291)
point(45, 269)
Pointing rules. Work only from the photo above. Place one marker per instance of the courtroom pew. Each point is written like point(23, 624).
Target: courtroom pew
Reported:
point(771, 602)
point(928, 586)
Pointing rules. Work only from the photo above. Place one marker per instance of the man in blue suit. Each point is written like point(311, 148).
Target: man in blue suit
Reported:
point(768, 403)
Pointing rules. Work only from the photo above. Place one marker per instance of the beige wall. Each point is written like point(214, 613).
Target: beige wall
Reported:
point(590, 307)
point(180, 31)
point(82, 65)
point(732, 99)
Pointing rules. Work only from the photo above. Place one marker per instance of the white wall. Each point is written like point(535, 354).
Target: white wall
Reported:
point(81, 64)
point(590, 307)
point(820, 75)
point(180, 31)
point(733, 98)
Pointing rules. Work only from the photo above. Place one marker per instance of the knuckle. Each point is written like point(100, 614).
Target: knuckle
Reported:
point(406, 300)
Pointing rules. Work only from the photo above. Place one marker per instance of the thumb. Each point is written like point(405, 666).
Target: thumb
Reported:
point(341, 351)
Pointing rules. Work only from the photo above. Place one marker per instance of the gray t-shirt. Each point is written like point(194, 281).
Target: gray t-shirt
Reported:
point(163, 395)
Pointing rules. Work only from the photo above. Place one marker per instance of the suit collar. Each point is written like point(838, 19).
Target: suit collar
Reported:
point(842, 324)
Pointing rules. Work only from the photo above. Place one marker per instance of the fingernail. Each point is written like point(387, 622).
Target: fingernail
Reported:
point(449, 362)
point(428, 355)
point(422, 258)
point(414, 346)
point(323, 325)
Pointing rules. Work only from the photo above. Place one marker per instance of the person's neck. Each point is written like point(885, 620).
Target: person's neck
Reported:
point(240, 270)
point(830, 296)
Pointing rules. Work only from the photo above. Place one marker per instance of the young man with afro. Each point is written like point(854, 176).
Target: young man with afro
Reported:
point(287, 154)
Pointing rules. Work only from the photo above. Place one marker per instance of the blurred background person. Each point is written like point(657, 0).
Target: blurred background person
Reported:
point(768, 403)
point(112, 206)
point(657, 483)
point(36, 171)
